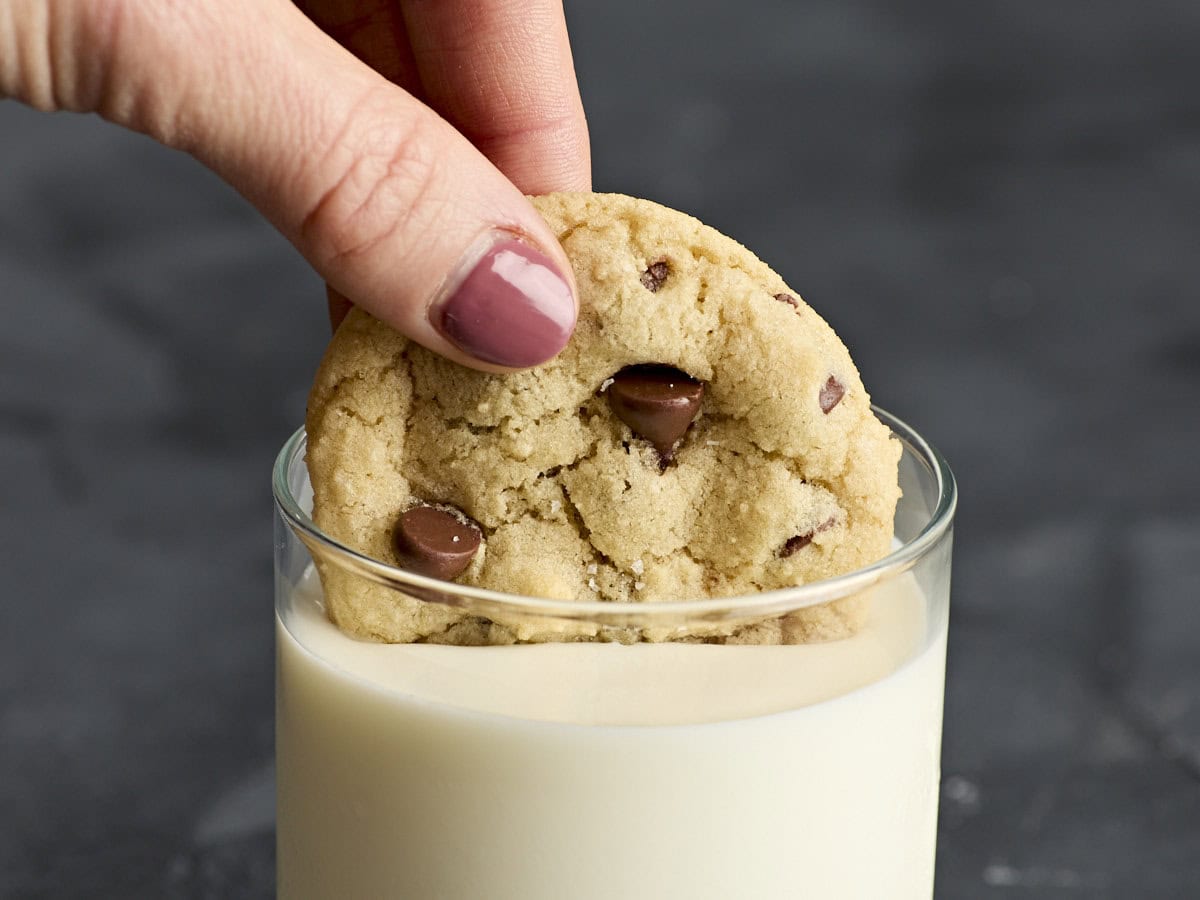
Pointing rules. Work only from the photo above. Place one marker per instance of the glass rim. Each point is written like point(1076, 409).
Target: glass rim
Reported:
point(483, 601)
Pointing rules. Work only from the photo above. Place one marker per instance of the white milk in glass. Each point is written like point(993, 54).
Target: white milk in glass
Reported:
point(589, 771)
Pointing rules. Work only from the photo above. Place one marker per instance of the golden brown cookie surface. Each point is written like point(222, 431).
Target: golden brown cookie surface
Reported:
point(705, 433)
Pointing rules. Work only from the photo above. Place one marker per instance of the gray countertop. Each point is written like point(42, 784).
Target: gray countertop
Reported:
point(996, 204)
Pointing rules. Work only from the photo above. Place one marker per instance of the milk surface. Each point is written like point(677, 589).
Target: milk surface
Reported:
point(603, 771)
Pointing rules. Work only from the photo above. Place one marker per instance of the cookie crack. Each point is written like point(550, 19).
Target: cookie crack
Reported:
point(791, 461)
point(570, 232)
point(329, 397)
point(574, 515)
point(464, 422)
point(575, 518)
point(352, 413)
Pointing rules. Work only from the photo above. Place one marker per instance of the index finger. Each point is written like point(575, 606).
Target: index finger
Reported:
point(501, 72)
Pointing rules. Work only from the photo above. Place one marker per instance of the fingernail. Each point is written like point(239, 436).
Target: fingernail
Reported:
point(514, 307)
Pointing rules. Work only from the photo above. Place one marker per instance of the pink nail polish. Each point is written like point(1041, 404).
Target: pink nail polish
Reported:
point(514, 308)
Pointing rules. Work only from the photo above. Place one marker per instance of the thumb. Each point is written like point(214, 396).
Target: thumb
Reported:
point(393, 207)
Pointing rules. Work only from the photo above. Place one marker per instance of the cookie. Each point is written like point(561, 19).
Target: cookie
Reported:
point(703, 434)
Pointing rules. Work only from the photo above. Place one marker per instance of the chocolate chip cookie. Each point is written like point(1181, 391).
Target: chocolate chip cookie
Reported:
point(704, 434)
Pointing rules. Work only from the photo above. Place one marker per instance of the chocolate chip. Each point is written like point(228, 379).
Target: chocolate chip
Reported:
point(657, 402)
point(653, 277)
point(796, 542)
point(434, 541)
point(789, 300)
point(800, 541)
point(831, 394)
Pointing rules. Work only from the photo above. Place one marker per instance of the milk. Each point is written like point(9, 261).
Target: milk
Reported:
point(581, 771)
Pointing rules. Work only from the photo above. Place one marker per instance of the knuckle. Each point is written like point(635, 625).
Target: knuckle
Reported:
point(383, 173)
point(40, 62)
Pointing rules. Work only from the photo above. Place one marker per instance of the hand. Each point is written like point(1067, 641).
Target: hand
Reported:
point(397, 208)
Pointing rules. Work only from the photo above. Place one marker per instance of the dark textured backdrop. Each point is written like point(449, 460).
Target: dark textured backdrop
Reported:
point(996, 203)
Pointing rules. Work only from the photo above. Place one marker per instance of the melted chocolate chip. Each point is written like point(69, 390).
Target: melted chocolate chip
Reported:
point(831, 394)
point(655, 275)
point(800, 541)
point(796, 542)
point(789, 300)
point(434, 541)
point(657, 402)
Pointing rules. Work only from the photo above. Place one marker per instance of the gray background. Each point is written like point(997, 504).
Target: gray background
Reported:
point(997, 204)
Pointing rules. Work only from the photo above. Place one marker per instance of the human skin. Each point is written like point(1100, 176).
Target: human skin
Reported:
point(391, 141)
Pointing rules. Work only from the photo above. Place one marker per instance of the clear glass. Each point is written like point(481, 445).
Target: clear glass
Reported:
point(600, 770)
